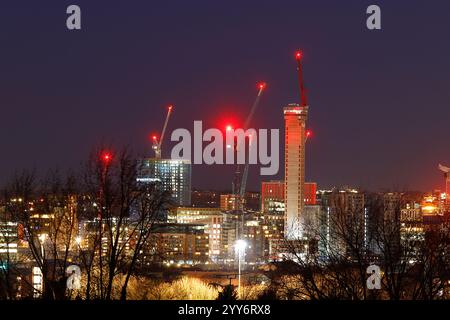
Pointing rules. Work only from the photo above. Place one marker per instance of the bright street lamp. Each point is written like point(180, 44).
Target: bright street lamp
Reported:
point(240, 246)
point(42, 237)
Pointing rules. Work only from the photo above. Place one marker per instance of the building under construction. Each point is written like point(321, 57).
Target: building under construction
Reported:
point(171, 175)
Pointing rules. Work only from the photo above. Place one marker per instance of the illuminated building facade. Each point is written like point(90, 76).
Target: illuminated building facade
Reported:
point(8, 239)
point(295, 117)
point(310, 193)
point(412, 232)
point(272, 197)
point(211, 218)
point(228, 202)
point(173, 176)
point(342, 208)
point(176, 244)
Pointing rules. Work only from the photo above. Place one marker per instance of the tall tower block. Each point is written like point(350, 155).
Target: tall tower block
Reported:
point(295, 117)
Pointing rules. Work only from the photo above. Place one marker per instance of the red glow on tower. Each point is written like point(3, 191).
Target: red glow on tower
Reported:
point(298, 55)
point(308, 133)
point(262, 85)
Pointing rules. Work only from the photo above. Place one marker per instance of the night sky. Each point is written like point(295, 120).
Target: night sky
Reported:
point(379, 100)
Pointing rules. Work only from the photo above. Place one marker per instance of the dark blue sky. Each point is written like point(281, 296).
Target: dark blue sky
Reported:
point(379, 101)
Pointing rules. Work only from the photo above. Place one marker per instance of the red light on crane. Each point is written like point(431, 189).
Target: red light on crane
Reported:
point(154, 138)
point(106, 157)
point(170, 107)
point(308, 133)
point(298, 55)
point(262, 85)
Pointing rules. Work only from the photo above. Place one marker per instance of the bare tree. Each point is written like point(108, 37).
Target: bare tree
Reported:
point(123, 215)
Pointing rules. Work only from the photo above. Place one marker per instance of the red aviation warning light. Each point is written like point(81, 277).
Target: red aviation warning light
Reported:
point(308, 134)
point(298, 55)
point(229, 128)
point(261, 87)
point(106, 157)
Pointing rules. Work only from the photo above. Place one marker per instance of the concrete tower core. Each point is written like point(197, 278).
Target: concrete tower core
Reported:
point(295, 117)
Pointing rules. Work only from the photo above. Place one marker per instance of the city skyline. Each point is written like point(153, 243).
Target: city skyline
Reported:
point(369, 129)
point(224, 151)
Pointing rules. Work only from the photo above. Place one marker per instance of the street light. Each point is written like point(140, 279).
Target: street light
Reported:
point(240, 247)
point(42, 237)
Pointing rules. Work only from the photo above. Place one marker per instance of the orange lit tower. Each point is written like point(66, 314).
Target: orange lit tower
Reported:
point(295, 117)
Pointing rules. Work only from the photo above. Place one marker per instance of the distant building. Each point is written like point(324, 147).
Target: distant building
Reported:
point(272, 197)
point(8, 239)
point(252, 201)
point(205, 199)
point(211, 218)
point(272, 226)
point(412, 233)
point(228, 202)
point(88, 233)
point(176, 244)
point(344, 221)
point(310, 193)
point(173, 176)
point(252, 233)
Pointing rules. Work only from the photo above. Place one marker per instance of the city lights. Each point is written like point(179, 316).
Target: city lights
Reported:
point(195, 165)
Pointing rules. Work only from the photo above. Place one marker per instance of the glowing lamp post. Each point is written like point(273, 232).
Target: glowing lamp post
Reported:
point(240, 247)
point(42, 238)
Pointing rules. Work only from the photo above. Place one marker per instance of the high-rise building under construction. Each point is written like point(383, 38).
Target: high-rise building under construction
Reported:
point(295, 117)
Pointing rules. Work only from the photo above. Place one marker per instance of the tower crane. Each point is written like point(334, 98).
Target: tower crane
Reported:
point(157, 144)
point(302, 91)
point(298, 57)
point(240, 177)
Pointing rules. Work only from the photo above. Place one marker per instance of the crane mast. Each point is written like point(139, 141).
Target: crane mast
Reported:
point(298, 57)
point(246, 125)
point(241, 174)
point(158, 144)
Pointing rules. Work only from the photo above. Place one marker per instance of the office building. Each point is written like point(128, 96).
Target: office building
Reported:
point(172, 175)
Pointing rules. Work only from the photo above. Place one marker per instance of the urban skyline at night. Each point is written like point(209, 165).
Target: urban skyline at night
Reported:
point(358, 141)
point(224, 155)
